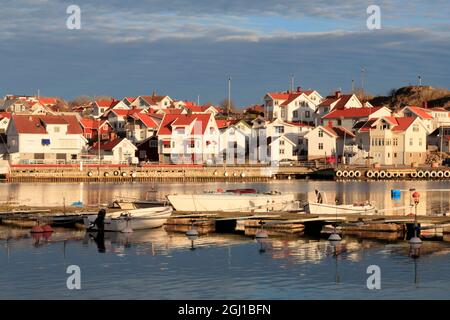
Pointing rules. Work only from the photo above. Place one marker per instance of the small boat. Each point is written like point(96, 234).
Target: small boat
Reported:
point(319, 207)
point(138, 219)
point(242, 200)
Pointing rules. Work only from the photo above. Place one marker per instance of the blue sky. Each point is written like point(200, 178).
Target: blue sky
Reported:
point(189, 48)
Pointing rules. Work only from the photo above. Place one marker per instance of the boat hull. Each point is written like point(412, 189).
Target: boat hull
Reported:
point(323, 208)
point(139, 219)
point(233, 202)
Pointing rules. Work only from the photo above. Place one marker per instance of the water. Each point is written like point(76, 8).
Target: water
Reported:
point(156, 264)
point(55, 194)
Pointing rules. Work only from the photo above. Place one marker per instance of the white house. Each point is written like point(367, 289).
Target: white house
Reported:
point(140, 126)
point(292, 106)
point(338, 101)
point(100, 107)
point(154, 101)
point(188, 138)
point(117, 151)
point(349, 117)
point(327, 141)
point(44, 138)
point(233, 144)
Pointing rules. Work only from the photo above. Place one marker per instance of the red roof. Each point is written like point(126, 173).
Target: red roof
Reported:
point(106, 103)
point(36, 124)
point(299, 124)
point(200, 108)
point(172, 111)
point(291, 98)
point(339, 101)
point(399, 123)
point(171, 120)
point(256, 107)
point(90, 123)
point(420, 112)
point(351, 113)
point(125, 112)
point(47, 100)
point(338, 131)
point(108, 145)
point(5, 115)
point(278, 95)
point(146, 120)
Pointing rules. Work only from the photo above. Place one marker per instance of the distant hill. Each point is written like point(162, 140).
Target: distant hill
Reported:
point(414, 95)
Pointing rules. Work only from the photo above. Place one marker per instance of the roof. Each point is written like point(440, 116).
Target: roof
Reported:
point(5, 115)
point(338, 131)
point(172, 111)
point(338, 101)
point(146, 120)
point(298, 124)
point(351, 113)
point(125, 112)
point(47, 100)
point(90, 123)
point(103, 103)
point(36, 124)
point(108, 145)
point(195, 108)
point(223, 123)
point(171, 120)
point(399, 123)
point(420, 112)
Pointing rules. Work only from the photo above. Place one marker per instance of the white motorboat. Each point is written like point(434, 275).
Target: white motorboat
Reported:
point(242, 200)
point(319, 207)
point(137, 219)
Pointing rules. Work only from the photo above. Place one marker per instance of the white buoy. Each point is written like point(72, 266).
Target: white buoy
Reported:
point(192, 238)
point(334, 237)
point(192, 233)
point(415, 240)
point(261, 234)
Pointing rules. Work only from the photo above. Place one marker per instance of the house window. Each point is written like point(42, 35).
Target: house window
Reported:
point(295, 114)
point(416, 128)
point(307, 114)
point(395, 142)
point(281, 151)
point(300, 141)
point(395, 155)
point(389, 155)
point(321, 146)
point(339, 122)
point(279, 129)
point(320, 133)
point(420, 141)
point(276, 102)
point(281, 143)
point(173, 144)
point(283, 113)
point(411, 141)
point(56, 129)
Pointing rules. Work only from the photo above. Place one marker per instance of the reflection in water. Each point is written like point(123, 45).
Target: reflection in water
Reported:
point(290, 268)
point(52, 194)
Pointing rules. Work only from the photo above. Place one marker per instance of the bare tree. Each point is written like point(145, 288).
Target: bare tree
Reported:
point(228, 108)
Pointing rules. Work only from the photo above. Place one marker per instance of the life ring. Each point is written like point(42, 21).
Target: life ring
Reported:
point(116, 172)
point(339, 173)
point(243, 174)
point(133, 174)
point(376, 174)
point(382, 174)
point(351, 174)
point(433, 174)
point(369, 174)
point(413, 174)
point(235, 174)
point(225, 174)
point(420, 174)
point(106, 174)
point(123, 174)
point(357, 174)
point(345, 173)
point(447, 174)
point(427, 174)
point(401, 174)
point(90, 174)
point(389, 175)
point(215, 173)
point(440, 174)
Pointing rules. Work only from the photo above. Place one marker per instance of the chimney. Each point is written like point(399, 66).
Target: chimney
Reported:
point(337, 94)
point(299, 89)
point(425, 104)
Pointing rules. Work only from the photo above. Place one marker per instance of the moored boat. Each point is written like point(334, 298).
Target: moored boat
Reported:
point(138, 219)
point(319, 207)
point(242, 200)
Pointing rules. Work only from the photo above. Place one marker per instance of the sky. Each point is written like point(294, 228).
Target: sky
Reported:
point(187, 49)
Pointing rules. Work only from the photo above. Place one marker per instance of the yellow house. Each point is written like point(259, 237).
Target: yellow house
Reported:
point(394, 140)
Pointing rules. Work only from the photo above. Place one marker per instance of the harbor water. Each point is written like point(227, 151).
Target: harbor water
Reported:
point(156, 264)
